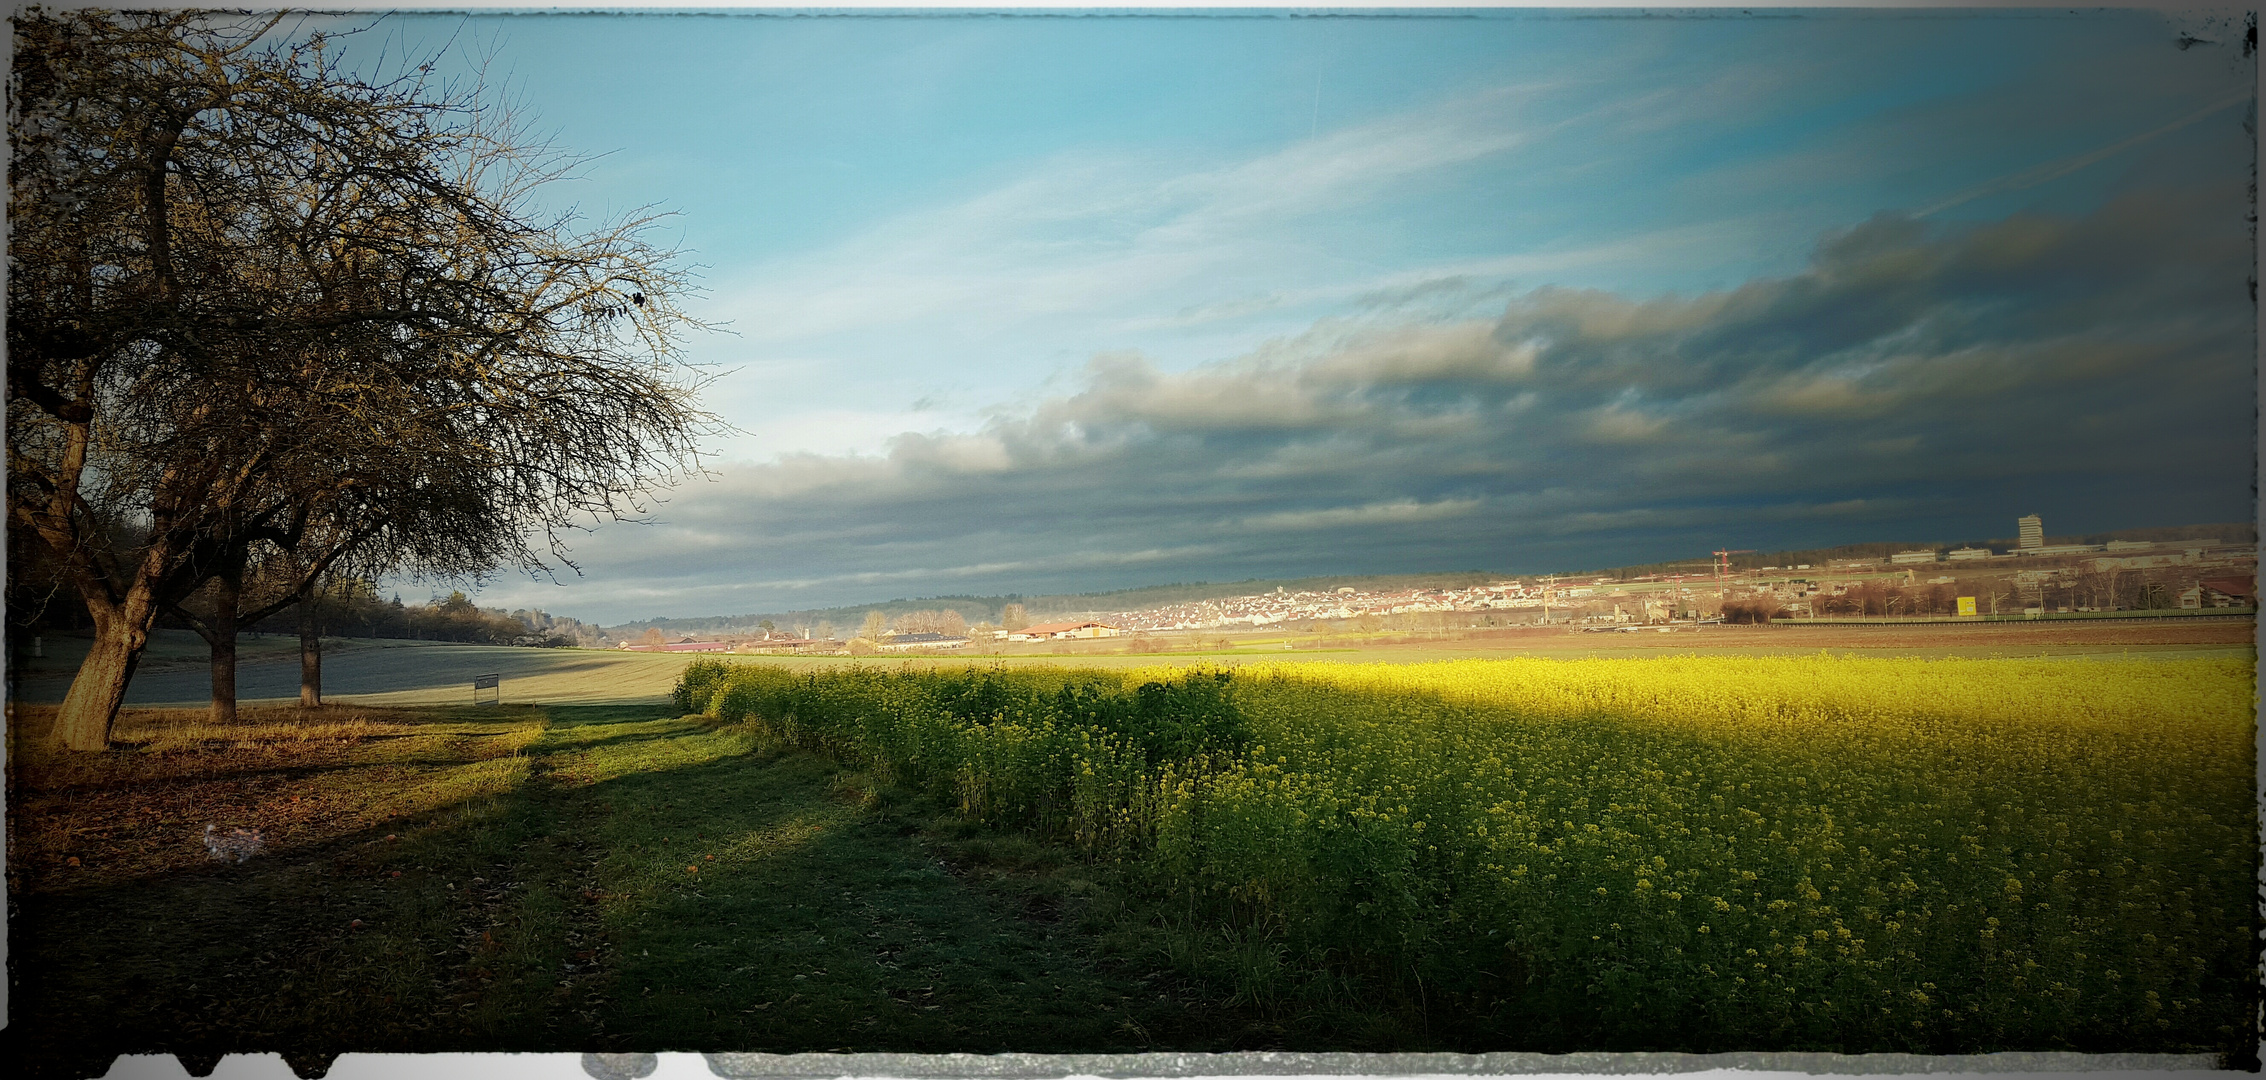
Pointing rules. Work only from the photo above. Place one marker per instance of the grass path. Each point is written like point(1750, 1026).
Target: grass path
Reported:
point(635, 882)
point(765, 902)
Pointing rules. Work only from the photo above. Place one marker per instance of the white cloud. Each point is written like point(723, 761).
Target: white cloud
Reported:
point(1910, 379)
point(1100, 233)
point(1397, 512)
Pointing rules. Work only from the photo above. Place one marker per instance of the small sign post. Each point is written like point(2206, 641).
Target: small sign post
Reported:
point(491, 681)
point(1966, 606)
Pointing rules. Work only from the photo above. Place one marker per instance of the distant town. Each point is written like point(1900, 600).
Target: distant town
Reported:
point(2029, 578)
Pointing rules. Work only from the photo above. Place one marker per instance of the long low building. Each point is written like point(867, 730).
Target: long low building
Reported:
point(2136, 562)
point(923, 640)
point(1062, 631)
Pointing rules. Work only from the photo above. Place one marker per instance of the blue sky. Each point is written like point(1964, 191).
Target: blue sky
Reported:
point(1032, 304)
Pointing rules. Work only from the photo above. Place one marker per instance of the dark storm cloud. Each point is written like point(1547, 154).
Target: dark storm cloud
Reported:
point(1914, 381)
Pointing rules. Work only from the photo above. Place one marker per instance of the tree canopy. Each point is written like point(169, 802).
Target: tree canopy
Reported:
point(263, 305)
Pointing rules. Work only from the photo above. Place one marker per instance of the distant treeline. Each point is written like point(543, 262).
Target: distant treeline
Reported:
point(355, 610)
point(990, 609)
point(37, 600)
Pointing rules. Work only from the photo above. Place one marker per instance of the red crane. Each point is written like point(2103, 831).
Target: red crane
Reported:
point(1723, 569)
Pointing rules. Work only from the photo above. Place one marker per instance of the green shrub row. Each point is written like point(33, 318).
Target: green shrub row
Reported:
point(1076, 755)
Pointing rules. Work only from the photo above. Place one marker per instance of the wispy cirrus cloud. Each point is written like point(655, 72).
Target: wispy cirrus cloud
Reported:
point(1089, 229)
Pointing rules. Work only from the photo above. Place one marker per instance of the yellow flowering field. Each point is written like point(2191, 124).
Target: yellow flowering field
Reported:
point(1946, 856)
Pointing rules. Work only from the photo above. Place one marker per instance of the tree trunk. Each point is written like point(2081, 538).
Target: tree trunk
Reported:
point(222, 637)
point(91, 706)
point(310, 654)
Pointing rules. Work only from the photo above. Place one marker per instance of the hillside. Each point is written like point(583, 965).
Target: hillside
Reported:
point(977, 609)
point(987, 608)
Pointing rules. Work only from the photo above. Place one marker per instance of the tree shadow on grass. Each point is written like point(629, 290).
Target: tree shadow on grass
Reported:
point(550, 918)
point(357, 943)
point(319, 948)
point(760, 906)
point(657, 734)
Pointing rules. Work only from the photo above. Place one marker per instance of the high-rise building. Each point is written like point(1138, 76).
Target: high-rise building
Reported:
point(2033, 532)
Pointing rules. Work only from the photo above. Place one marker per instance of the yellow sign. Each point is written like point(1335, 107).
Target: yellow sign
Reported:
point(1966, 605)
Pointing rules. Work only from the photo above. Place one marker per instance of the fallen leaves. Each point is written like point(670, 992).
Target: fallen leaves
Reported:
point(303, 777)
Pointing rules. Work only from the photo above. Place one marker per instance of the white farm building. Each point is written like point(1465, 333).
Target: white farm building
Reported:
point(1062, 631)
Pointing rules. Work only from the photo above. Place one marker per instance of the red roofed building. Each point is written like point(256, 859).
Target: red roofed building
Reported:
point(2239, 591)
point(681, 646)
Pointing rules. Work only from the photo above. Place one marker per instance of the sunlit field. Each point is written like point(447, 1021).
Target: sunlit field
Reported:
point(1694, 853)
point(1820, 852)
point(390, 673)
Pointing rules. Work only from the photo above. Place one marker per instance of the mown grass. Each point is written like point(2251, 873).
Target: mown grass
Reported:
point(624, 878)
point(811, 911)
point(396, 846)
point(520, 879)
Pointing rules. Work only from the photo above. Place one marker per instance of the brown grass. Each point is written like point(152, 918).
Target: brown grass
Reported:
point(302, 777)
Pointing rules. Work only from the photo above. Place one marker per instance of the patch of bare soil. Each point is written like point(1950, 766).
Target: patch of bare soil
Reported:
point(298, 776)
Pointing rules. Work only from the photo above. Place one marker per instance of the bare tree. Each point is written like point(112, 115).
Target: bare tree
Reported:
point(316, 526)
point(310, 627)
point(255, 299)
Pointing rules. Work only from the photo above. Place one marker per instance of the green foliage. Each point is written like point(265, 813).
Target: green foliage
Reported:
point(1815, 853)
point(1066, 752)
